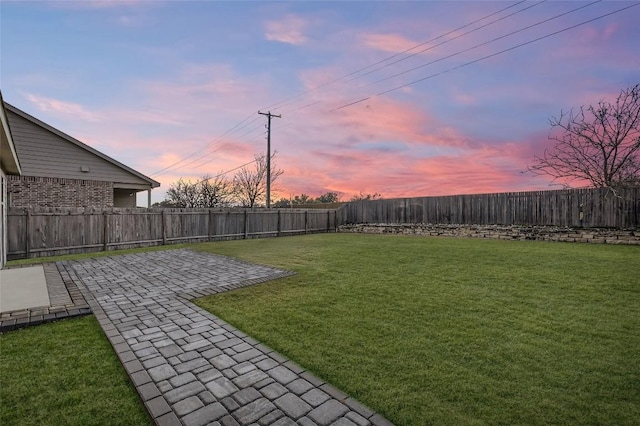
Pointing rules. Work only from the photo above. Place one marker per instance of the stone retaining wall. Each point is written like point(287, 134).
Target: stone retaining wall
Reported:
point(512, 232)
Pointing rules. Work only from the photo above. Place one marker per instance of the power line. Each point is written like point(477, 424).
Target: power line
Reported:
point(512, 48)
point(204, 156)
point(202, 160)
point(454, 54)
point(235, 168)
point(485, 57)
point(484, 43)
point(205, 146)
point(205, 160)
point(228, 171)
point(448, 40)
point(301, 94)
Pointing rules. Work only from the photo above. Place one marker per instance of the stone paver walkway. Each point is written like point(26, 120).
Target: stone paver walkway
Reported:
point(190, 367)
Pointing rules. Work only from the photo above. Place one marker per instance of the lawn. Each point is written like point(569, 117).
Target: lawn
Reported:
point(91, 255)
point(65, 373)
point(453, 331)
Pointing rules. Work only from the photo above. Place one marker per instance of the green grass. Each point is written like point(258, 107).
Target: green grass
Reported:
point(453, 331)
point(65, 373)
point(92, 255)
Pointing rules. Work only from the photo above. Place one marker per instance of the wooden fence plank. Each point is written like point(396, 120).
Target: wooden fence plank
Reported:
point(27, 237)
point(46, 232)
point(591, 207)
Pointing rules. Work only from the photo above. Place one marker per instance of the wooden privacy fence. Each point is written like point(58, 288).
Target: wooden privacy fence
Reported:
point(47, 232)
point(588, 208)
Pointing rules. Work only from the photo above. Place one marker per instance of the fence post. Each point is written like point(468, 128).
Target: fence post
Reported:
point(406, 217)
point(164, 227)
point(27, 243)
point(364, 211)
point(328, 220)
point(105, 231)
point(335, 220)
point(279, 223)
point(246, 223)
point(210, 221)
point(306, 220)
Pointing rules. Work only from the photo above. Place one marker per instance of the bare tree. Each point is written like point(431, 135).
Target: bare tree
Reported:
point(361, 196)
point(599, 143)
point(329, 197)
point(216, 191)
point(302, 199)
point(207, 192)
point(183, 194)
point(251, 182)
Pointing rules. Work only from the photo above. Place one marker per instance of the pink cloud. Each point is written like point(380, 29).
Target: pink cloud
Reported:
point(314, 77)
point(218, 157)
point(376, 117)
point(474, 169)
point(465, 98)
point(394, 43)
point(586, 47)
point(203, 92)
point(62, 108)
point(591, 34)
point(289, 29)
point(338, 150)
point(74, 111)
point(200, 80)
point(96, 4)
point(387, 119)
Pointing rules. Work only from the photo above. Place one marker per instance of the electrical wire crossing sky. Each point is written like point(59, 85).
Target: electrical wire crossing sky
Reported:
point(397, 98)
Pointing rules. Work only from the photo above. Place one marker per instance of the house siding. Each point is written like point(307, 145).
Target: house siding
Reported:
point(45, 154)
point(9, 165)
point(34, 191)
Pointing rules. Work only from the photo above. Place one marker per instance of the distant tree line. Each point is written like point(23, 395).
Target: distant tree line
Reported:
point(303, 199)
point(326, 198)
point(247, 188)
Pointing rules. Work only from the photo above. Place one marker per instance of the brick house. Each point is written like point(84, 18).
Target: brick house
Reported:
point(60, 171)
point(9, 165)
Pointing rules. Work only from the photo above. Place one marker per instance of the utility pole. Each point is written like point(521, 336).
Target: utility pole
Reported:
point(269, 115)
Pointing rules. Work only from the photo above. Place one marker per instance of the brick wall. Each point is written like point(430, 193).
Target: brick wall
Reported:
point(502, 232)
point(29, 191)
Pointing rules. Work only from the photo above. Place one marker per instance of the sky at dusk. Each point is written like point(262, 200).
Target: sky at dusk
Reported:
point(398, 98)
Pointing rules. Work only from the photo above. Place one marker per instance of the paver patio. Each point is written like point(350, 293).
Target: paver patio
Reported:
point(190, 367)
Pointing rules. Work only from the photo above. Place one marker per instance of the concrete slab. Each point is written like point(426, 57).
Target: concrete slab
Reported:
point(23, 288)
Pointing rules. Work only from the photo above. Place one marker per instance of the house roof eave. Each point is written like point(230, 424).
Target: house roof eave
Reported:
point(10, 162)
point(26, 116)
